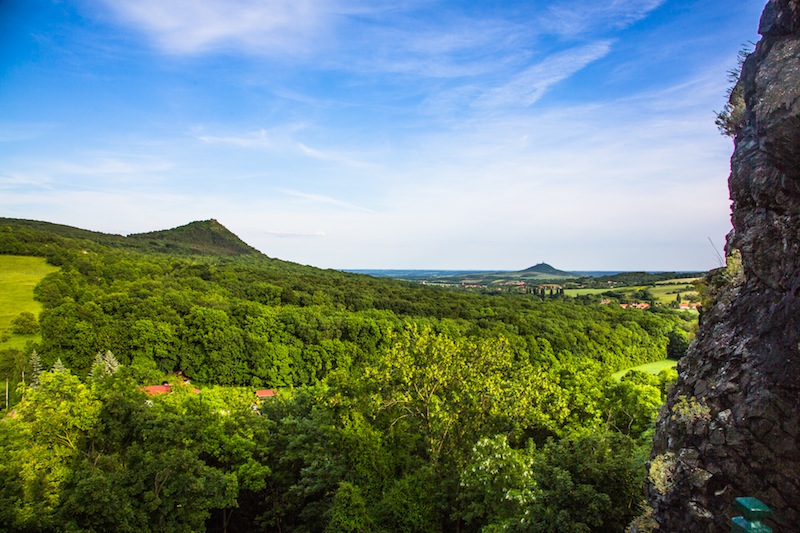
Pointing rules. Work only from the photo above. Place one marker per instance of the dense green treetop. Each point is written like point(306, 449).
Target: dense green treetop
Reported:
point(400, 407)
point(434, 434)
point(250, 320)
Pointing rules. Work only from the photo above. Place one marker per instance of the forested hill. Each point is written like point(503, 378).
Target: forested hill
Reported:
point(204, 237)
point(399, 407)
point(547, 270)
point(207, 237)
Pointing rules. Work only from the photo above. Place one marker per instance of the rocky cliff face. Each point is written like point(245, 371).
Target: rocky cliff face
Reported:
point(730, 426)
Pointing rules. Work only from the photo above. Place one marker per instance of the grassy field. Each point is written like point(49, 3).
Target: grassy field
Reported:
point(18, 277)
point(580, 292)
point(687, 281)
point(664, 292)
point(652, 368)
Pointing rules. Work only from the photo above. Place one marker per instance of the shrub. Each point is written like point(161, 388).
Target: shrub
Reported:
point(25, 323)
point(731, 118)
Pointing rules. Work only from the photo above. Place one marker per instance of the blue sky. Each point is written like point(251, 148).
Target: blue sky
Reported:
point(380, 134)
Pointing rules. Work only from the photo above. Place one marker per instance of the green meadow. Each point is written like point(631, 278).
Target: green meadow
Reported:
point(651, 368)
point(663, 292)
point(580, 292)
point(18, 276)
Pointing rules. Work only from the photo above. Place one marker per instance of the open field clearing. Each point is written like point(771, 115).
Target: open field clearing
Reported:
point(677, 281)
point(667, 293)
point(580, 292)
point(18, 277)
point(652, 368)
point(663, 293)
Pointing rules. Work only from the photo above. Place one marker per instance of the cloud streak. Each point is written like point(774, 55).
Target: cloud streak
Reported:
point(23, 131)
point(335, 157)
point(200, 26)
point(294, 235)
point(283, 142)
point(19, 180)
point(255, 139)
point(325, 200)
point(579, 17)
point(527, 87)
point(108, 166)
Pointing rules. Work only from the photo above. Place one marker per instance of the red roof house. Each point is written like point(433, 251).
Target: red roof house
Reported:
point(152, 390)
point(164, 388)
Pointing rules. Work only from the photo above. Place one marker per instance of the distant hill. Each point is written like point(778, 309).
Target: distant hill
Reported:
point(546, 270)
point(207, 237)
point(476, 278)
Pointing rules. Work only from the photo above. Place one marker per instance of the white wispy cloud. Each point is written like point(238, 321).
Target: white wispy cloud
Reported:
point(579, 17)
point(108, 166)
point(197, 26)
point(294, 235)
point(120, 211)
point(457, 47)
point(325, 200)
point(283, 140)
point(11, 131)
point(334, 157)
point(255, 139)
point(538, 178)
point(24, 180)
point(527, 87)
point(86, 171)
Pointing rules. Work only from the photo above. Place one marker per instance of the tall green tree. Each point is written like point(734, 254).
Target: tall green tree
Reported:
point(39, 445)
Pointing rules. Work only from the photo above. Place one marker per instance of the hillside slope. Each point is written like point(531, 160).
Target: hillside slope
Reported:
point(201, 237)
point(207, 237)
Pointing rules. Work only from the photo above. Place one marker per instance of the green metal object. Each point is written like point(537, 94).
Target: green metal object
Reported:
point(753, 511)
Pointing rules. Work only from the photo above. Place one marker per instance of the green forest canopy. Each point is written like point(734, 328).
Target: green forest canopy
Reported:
point(400, 407)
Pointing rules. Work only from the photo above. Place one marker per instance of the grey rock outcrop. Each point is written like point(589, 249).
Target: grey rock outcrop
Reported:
point(730, 425)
